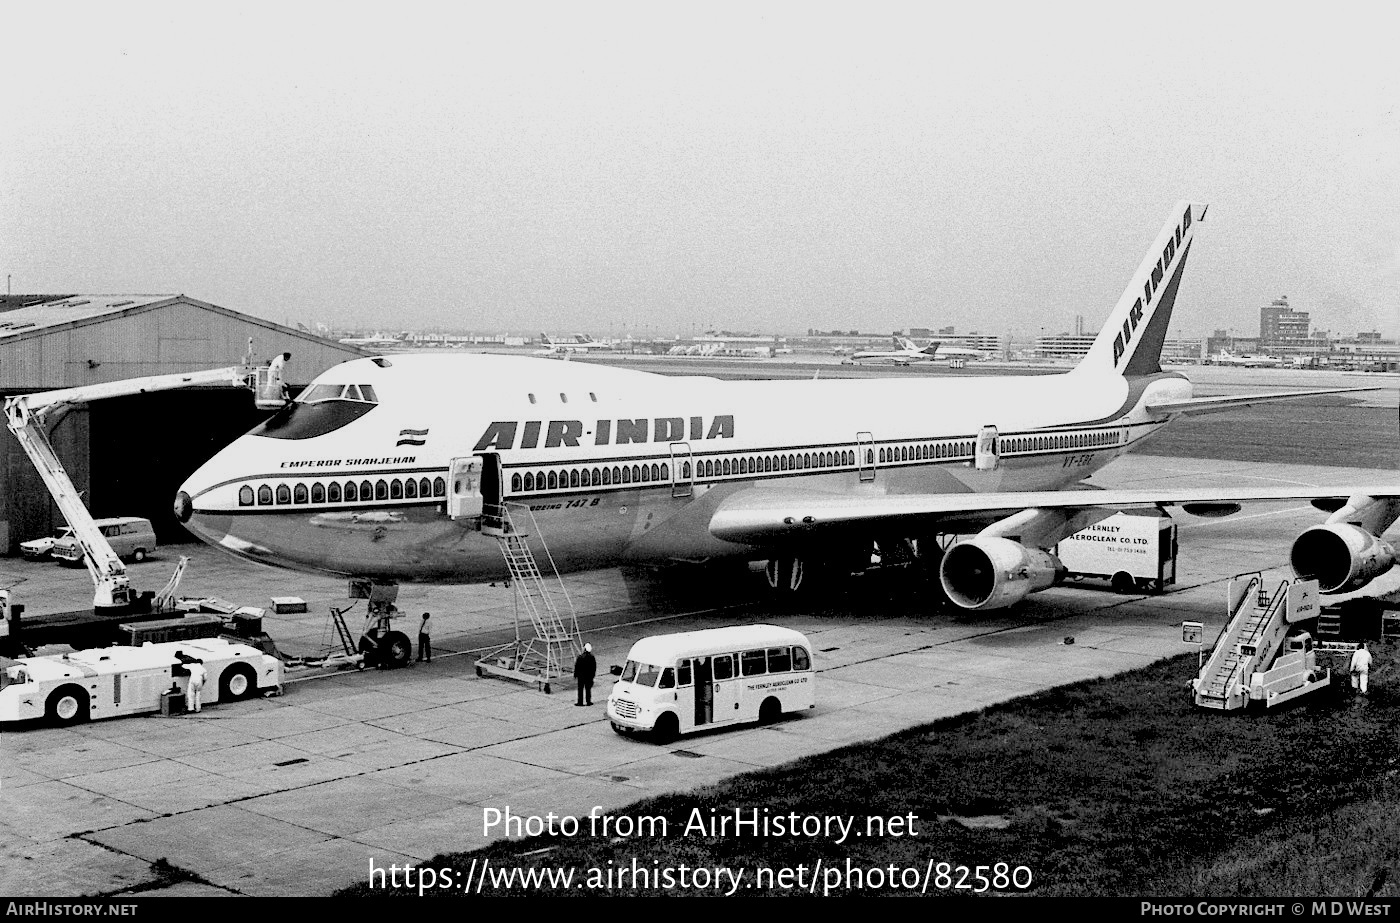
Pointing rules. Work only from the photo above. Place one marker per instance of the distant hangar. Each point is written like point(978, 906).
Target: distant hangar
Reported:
point(130, 455)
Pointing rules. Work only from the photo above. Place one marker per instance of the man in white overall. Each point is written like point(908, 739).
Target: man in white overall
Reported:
point(1360, 668)
point(198, 677)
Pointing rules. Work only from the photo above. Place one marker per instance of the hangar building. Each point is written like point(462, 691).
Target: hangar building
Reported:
point(129, 455)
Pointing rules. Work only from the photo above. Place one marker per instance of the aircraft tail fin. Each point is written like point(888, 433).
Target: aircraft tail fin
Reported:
point(931, 349)
point(1130, 342)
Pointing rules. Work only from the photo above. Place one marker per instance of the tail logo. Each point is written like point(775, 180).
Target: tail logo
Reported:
point(412, 437)
point(1150, 286)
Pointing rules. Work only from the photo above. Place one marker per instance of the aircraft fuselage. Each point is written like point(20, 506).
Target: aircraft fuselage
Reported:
point(618, 466)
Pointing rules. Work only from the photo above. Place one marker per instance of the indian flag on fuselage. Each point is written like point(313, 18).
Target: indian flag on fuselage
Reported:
point(1130, 343)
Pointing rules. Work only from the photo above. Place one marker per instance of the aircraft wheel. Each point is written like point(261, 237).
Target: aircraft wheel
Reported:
point(396, 649)
point(67, 705)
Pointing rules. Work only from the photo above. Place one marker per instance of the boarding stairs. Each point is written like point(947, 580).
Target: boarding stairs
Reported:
point(1251, 638)
point(545, 602)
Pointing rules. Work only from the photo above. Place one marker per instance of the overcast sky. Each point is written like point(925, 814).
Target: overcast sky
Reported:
point(660, 168)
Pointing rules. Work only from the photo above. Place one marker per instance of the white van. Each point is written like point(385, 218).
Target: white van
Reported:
point(685, 682)
point(130, 537)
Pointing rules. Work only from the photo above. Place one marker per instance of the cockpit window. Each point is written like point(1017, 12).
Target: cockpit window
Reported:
point(318, 410)
point(319, 393)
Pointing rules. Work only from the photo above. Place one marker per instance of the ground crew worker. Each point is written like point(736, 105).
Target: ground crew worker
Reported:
point(584, 669)
point(198, 677)
point(425, 641)
point(1360, 668)
point(275, 370)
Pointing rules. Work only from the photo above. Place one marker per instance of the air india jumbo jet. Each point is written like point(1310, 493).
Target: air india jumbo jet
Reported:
point(395, 468)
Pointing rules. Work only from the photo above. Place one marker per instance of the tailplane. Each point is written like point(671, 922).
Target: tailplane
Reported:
point(1130, 342)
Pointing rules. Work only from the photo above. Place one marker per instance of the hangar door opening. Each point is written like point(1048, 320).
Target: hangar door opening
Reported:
point(143, 447)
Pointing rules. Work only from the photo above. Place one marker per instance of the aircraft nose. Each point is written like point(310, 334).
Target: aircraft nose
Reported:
point(184, 507)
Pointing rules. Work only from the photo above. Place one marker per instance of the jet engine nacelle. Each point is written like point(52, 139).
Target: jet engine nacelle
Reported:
point(989, 572)
point(1340, 556)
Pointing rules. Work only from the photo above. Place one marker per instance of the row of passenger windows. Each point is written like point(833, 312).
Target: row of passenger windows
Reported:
point(565, 478)
point(706, 468)
point(589, 477)
point(927, 450)
point(338, 492)
point(1061, 441)
point(722, 666)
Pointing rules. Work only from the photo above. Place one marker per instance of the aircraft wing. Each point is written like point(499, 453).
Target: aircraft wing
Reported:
point(759, 516)
point(1214, 404)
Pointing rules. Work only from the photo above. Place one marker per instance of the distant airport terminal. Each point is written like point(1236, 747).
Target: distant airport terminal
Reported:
point(1285, 339)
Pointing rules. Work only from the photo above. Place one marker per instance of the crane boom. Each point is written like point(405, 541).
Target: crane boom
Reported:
point(25, 416)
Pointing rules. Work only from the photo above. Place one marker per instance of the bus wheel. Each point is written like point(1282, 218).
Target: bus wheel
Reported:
point(667, 728)
point(1122, 582)
point(237, 682)
point(770, 711)
point(67, 705)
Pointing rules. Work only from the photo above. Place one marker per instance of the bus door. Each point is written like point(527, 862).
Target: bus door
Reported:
point(865, 456)
point(681, 469)
point(726, 686)
point(704, 691)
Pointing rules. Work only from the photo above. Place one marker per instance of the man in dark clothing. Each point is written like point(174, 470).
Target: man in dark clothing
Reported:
point(584, 669)
point(425, 640)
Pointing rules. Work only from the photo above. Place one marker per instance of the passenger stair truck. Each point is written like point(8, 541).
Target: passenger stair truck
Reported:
point(1256, 658)
point(26, 416)
point(475, 500)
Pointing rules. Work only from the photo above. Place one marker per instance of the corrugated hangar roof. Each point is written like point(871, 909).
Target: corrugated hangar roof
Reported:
point(20, 314)
point(60, 341)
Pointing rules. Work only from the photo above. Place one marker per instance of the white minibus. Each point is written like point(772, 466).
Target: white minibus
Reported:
point(693, 680)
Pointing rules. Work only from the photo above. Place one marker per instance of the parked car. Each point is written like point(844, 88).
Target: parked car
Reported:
point(39, 548)
point(130, 537)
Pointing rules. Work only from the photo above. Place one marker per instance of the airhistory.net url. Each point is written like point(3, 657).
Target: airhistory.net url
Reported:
point(819, 878)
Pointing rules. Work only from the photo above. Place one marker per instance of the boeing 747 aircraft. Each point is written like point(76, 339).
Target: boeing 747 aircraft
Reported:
point(388, 468)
